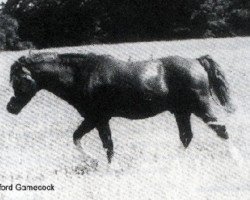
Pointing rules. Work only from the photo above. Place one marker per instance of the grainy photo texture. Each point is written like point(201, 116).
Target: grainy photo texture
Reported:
point(124, 99)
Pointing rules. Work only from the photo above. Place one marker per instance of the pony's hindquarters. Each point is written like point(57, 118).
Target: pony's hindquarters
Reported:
point(217, 81)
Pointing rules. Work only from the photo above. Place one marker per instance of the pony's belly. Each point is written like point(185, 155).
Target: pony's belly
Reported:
point(145, 108)
point(137, 115)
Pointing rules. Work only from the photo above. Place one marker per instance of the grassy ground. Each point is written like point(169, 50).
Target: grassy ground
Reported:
point(149, 163)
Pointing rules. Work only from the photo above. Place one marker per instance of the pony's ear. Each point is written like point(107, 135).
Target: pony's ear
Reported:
point(15, 69)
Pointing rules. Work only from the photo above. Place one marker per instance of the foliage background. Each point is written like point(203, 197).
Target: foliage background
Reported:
point(53, 23)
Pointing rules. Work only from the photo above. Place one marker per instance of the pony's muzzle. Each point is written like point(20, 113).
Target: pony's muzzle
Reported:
point(13, 106)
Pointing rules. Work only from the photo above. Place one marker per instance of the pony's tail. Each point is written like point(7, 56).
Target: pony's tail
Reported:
point(217, 82)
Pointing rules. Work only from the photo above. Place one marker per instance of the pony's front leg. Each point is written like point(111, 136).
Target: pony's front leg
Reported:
point(85, 127)
point(105, 135)
point(183, 122)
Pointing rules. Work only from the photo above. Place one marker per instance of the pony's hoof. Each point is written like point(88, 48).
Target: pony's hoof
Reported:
point(87, 166)
point(77, 142)
point(92, 163)
point(110, 154)
point(220, 130)
point(223, 135)
point(186, 141)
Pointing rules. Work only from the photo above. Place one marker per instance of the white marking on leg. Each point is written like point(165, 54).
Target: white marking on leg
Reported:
point(87, 159)
point(77, 142)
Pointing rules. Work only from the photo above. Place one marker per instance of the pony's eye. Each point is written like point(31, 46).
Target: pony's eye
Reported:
point(16, 81)
point(25, 84)
point(21, 85)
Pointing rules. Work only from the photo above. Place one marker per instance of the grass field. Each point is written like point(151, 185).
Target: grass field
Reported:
point(150, 163)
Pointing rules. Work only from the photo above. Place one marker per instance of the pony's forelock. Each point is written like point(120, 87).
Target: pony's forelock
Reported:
point(17, 67)
point(13, 70)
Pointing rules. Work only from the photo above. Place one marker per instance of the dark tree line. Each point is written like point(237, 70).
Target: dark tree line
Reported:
point(51, 23)
point(9, 38)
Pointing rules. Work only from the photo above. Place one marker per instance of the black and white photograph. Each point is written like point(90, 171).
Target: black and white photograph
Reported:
point(128, 99)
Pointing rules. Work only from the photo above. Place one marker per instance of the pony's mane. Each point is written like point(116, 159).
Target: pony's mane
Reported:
point(67, 56)
point(56, 57)
point(16, 68)
point(38, 58)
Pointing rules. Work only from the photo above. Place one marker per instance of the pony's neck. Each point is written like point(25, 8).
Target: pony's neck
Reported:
point(56, 78)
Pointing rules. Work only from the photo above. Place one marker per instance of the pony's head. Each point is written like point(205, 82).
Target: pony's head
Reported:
point(24, 85)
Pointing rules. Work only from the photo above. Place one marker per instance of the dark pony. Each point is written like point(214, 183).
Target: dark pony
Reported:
point(101, 87)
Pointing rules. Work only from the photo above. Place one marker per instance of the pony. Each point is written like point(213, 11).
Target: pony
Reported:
point(100, 87)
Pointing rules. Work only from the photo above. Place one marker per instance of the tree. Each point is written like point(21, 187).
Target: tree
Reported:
point(211, 19)
point(57, 22)
point(148, 19)
point(240, 16)
point(50, 23)
point(9, 39)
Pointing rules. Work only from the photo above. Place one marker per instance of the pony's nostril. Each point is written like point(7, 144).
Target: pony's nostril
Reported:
point(12, 109)
point(11, 106)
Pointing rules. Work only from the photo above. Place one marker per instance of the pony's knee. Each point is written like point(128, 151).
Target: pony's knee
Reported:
point(108, 144)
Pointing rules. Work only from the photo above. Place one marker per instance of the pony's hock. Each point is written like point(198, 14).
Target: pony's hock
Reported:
point(101, 87)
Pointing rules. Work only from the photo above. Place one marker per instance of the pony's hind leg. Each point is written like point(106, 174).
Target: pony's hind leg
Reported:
point(184, 126)
point(105, 135)
point(204, 111)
